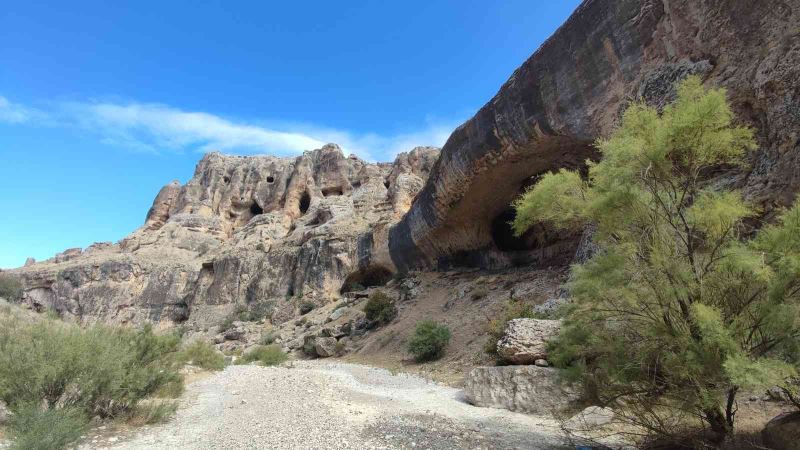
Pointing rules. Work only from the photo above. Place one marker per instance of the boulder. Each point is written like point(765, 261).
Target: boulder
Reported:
point(234, 334)
point(783, 432)
point(525, 340)
point(527, 389)
point(325, 347)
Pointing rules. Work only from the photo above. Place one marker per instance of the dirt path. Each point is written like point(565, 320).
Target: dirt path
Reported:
point(322, 405)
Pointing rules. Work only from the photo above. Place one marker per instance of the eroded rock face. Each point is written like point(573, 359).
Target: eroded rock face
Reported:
point(573, 89)
point(525, 341)
point(261, 232)
point(528, 389)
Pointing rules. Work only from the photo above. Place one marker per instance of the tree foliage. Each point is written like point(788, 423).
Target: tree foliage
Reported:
point(677, 311)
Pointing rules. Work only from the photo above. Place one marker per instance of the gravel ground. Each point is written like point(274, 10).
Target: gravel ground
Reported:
point(319, 405)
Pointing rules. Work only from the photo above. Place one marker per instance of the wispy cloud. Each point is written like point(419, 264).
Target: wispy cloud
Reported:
point(16, 113)
point(158, 128)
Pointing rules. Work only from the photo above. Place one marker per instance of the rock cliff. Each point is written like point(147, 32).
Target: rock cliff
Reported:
point(257, 232)
point(573, 89)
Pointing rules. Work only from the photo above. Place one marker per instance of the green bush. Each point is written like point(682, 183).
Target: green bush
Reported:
point(268, 338)
point(202, 354)
point(33, 428)
point(380, 308)
point(266, 355)
point(307, 307)
point(98, 371)
point(10, 287)
point(428, 341)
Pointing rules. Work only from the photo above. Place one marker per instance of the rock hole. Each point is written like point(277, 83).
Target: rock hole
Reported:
point(386, 183)
point(305, 202)
point(356, 184)
point(370, 276)
point(332, 191)
point(226, 179)
point(255, 209)
point(270, 179)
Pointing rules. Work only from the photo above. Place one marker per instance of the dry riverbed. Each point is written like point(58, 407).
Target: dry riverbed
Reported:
point(321, 405)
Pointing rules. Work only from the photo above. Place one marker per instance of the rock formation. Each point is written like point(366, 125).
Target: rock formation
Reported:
point(255, 232)
point(573, 89)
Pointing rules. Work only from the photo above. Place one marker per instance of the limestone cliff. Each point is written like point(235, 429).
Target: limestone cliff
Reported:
point(249, 231)
point(573, 89)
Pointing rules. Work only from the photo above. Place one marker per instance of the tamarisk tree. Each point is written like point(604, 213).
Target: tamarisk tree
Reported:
point(681, 307)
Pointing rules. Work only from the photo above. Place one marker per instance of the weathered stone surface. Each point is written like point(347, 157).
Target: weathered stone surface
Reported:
point(525, 340)
point(325, 346)
point(244, 231)
point(783, 432)
point(527, 389)
point(572, 91)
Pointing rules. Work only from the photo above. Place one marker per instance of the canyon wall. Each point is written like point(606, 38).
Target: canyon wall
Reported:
point(573, 89)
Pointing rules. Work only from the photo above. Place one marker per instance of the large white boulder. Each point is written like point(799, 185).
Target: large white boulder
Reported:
point(528, 389)
point(525, 340)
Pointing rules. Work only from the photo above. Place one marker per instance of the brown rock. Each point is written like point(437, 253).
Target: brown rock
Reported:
point(783, 432)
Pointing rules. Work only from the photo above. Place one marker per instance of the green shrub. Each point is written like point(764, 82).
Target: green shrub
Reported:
point(151, 412)
point(268, 338)
point(33, 428)
point(98, 371)
point(202, 354)
point(266, 355)
point(479, 293)
point(428, 341)
point(307, 307)
point(10, 287)
point(380, 308)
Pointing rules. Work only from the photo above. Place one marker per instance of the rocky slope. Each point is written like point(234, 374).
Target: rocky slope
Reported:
point(572, 90)
point(248, 231)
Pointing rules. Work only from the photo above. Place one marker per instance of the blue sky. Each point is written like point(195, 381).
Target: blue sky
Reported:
point(102, 103)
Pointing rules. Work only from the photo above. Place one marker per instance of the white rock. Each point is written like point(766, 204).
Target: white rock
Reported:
point(528, 389)
point(525, 340)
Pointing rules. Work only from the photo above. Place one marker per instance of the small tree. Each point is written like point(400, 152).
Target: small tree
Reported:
point(675, 313)
point(10, 287)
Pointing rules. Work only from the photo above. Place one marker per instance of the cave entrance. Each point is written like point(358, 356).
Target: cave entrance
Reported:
point(305, 202)
point(367, 277)
point(255, 209)
point(503, 234)
point(332, 191)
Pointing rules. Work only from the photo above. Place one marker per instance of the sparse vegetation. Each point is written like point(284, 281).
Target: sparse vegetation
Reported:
point(479, 293)
point(380, 308)
point(244, 313)
point(202, 354)
point(55, 376)
point(307, 307)
point(268, 338)
point(148, 413)
point(676, 312)
point(10, 287)
point(429, 340)
point(266, 355)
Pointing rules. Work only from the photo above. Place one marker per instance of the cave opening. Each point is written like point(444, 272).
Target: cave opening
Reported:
point(503, 233)
point(305, 202)
point(367, 277)
point(255, 209)
point(270, 179)
point(332, 191)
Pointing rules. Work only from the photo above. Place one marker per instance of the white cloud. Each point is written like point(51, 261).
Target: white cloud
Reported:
point(16, 113)
point(157, 128)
